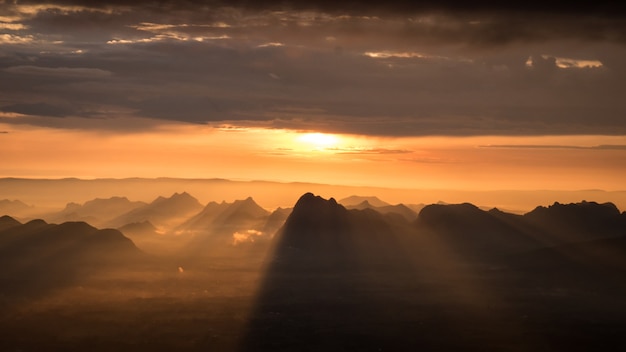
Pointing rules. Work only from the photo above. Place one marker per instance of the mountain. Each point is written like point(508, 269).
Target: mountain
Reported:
point(37, 255)
point(356, 200)
point(416, 207)
point(6, 222)
point(15, 208)
point(578, 221)
point(96, 212)
point(474, 232)
point(240, 221)
point(399, 209)
point(70, 238)
point(322, 233)
point(162, 212)
point(276, 220)
point(477, 234)
point(204, 219)
point(487, 278)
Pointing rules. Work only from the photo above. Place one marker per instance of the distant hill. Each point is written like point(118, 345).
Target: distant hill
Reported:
point(416, 207)
point(96, 212)
point(15, 208)
point(220, 224)
point(162, 212)
point(399, 209)
point(204, 219)
point(276, 220)
point(356, 200)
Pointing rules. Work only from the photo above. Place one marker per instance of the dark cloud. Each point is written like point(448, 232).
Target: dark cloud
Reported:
point(601, 7)
point(386, 68)
point(38, 109)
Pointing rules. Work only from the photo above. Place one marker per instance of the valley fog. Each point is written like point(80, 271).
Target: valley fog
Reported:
point(358, 273)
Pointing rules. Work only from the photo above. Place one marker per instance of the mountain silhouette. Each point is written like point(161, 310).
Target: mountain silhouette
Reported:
point(399, 209)
point(322, 233)
point(205, 218)
point(356, 200)
point(6, 222)
point(96, 212)
point(276, 220)
point(577, 221)
point(15, 208)
point(162, 212)
point(38, 255)
point(243, 219)
point(475, 232)
point(323, 290)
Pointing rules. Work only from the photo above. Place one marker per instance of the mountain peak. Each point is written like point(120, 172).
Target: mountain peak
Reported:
point(359, 200)
point(181, 195)
point(8, 222)
point(310, 200)
point(314, 213)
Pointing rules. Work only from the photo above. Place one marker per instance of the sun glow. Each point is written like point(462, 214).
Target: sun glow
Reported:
point(319, 140)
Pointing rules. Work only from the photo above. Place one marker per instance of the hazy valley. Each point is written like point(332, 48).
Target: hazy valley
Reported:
point(354, 274)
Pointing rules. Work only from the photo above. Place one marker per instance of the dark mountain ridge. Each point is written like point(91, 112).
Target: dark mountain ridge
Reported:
point(37, 255)
point(322, 233)
point(320, 229)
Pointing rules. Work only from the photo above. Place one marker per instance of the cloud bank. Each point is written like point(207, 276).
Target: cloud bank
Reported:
point(396, 68)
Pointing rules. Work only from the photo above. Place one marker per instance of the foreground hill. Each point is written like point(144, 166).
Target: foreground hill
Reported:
point(38, 255)
point(322, 233)
point(458, 278)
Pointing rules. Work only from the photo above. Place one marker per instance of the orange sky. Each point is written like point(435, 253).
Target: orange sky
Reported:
point(443, 96)
point(198, 151)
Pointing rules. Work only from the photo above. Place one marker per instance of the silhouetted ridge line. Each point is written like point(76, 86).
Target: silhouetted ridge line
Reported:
point(321, 233)
point(7, 222)
point(38, 256)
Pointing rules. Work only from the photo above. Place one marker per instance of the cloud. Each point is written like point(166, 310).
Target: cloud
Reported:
point(12, 26)
point(393, 69)
point(15, 39)
point(39, 109)
point(245, 236)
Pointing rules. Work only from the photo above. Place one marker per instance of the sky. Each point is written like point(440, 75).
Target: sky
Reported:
point(394, 94)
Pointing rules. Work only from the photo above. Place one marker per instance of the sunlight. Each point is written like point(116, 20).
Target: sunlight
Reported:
point(319, 140)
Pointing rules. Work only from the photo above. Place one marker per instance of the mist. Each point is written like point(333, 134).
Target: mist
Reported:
point(357, 273)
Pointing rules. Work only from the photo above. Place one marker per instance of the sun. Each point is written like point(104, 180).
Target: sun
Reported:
point(319, 140)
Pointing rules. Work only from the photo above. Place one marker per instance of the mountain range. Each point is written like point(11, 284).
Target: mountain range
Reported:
point(36, 255)
point(328, 276)
point(364, 222)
